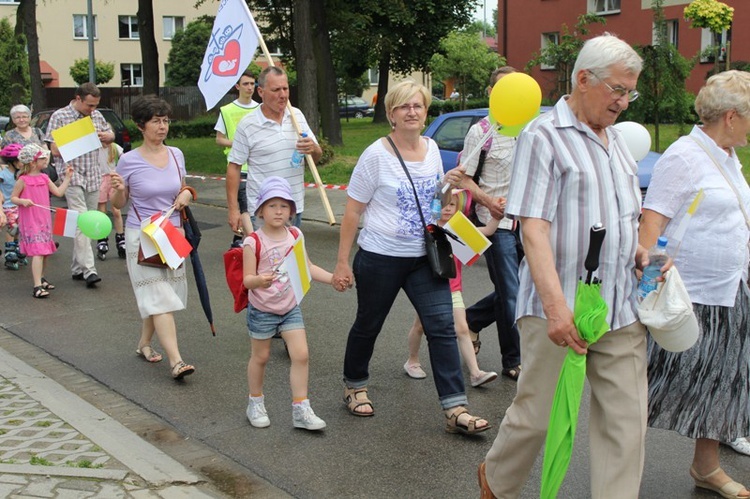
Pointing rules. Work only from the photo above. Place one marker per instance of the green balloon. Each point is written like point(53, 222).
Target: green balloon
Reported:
point(94, 224)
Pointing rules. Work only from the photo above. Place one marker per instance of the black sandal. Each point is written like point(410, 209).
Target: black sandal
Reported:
point(39, 292)
point(475, 342)
point(46, 285)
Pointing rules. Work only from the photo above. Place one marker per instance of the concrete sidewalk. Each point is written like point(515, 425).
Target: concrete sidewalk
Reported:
point(58, 444)
point(55, 444)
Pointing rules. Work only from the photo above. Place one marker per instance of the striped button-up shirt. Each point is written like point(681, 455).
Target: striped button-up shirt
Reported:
point(564, 174)
point(86, 171)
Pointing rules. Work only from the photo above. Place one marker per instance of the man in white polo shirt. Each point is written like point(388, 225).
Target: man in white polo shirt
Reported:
point(226, 126)
point(265, 140)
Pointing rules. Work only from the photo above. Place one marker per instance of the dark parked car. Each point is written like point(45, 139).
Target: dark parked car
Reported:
point(122, 136)
point(4, 122)
point(449, 129)
point(354, 107)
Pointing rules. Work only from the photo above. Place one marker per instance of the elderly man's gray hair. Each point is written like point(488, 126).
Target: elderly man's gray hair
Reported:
point(600, 53)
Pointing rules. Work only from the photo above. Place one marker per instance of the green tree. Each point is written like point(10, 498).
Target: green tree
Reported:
point(14, 67)
point(563, 54)
point(662, 81)
point(186, 55)
point(717, 17)
point(79, 71)
point(466, 59)
point(26, 25)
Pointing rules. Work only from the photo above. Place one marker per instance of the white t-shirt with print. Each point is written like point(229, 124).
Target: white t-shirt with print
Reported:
point(392, 225)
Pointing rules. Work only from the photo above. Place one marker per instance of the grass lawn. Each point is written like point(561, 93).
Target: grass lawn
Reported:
point(204, 156)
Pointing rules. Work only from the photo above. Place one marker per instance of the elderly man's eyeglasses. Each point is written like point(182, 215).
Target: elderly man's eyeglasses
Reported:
point(618, 92)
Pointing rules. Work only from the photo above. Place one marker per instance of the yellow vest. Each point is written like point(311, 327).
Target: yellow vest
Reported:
point(232, 114)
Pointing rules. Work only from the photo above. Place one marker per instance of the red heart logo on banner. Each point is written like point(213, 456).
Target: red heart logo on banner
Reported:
point(228, 63)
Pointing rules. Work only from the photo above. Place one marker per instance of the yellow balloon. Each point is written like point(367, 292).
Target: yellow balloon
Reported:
point(515, 99)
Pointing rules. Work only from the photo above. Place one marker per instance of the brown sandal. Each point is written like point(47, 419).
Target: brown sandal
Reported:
point(149, 354)
point(454, 426)
point(180, 370)
point(475, 342)
point(353, 401)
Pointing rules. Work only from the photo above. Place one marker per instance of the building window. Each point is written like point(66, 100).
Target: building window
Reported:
point(672, 26)
point(172, 25)
point(547, 40)
point(603, 7)
point(710, 41)
point(128, 27)
point(80, 26)
point(131, 74)
point(373, 74)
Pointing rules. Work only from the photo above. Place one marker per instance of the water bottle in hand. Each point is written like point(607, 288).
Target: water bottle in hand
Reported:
point(298, 159)
point(436, 205)
point(657, 256)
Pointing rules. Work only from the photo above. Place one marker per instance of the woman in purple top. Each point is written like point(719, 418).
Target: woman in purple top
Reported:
point(152, 176)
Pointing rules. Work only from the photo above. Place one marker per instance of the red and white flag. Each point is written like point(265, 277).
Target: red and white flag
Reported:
point(66, 222)
point(170, 243)
point(233, 42)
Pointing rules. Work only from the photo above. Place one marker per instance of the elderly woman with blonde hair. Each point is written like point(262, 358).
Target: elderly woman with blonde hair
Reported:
point(703, 393)
point(392, 256)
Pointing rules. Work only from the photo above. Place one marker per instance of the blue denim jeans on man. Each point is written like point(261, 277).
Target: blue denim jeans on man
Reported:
point(379, 279)
point(500, 305)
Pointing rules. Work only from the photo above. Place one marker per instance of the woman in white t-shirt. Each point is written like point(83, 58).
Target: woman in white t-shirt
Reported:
point(392, 257)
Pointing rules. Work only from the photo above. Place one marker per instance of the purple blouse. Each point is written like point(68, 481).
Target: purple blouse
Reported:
point(152, 189)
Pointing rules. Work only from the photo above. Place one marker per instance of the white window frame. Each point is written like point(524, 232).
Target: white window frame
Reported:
point(131, 21)
point(85, 35)
point(608, 7)
point(673, 26)
point(549, 39)
point(171, 21)
point(131, 67)
point(373, 74)
point(709, 38)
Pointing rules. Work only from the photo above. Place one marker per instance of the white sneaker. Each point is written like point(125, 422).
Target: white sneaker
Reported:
point(304, 417)
point(256, 412)
point(740, 445)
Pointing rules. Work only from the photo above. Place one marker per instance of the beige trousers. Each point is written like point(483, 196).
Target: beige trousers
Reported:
point(616, 371)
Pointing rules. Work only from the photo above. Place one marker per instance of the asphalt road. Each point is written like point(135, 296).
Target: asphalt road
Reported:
point(401, 452)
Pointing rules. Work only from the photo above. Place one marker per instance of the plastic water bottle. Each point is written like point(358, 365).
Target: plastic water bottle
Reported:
point(298, 159)
point(436, 205)
point(657, 256)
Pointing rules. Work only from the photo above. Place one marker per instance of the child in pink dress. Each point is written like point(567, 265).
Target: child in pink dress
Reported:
point(31, 194)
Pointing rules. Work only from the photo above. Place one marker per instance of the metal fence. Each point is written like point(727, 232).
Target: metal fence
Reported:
point(186, 102)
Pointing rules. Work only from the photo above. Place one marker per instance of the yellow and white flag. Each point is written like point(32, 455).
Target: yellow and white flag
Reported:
point(296, 267)
point(76, 139)
point(472, 242)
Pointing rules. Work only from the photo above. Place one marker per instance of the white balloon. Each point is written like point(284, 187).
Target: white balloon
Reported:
point(636, 138)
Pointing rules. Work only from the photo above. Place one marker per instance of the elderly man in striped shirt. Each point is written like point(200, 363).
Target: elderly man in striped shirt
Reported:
point(571, 170)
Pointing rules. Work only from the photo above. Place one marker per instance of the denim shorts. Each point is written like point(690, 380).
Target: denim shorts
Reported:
point(263, 325)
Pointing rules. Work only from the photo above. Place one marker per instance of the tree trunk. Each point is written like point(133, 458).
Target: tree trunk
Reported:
point(384, 69)
point(149, 51)
point(38, 99)
point(327, 91)
point(307, 83)
point(16, 78)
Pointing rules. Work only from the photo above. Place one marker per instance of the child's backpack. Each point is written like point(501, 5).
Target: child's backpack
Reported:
point(233, 271)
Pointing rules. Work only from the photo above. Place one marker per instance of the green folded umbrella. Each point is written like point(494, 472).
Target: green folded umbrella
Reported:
point(590, 318)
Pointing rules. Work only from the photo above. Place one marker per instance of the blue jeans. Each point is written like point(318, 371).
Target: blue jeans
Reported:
point(500, 305)
point(379, 278)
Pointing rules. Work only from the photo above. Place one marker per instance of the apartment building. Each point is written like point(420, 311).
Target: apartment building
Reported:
point(63, 35)
point(525, 26)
